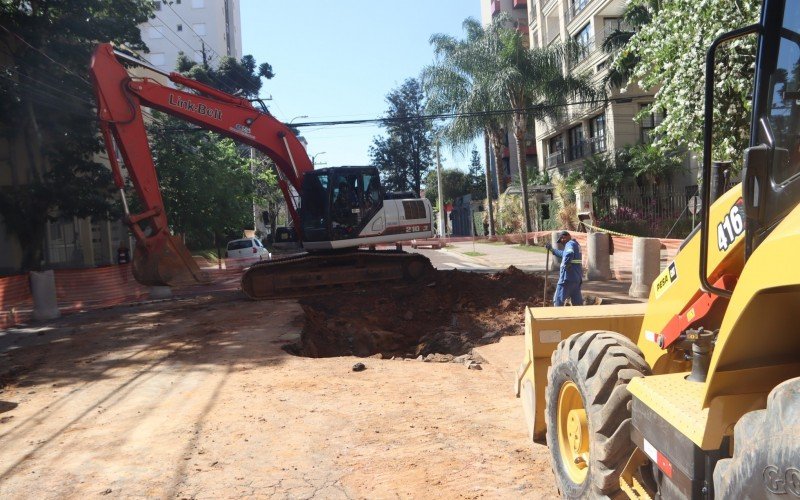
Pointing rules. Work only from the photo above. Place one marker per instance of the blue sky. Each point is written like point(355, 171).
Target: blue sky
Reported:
point(337, 60)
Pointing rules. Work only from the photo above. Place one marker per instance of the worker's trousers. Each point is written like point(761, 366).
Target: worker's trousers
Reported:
point(569, 289)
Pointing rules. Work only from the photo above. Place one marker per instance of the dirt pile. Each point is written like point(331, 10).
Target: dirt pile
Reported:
point(449, 314)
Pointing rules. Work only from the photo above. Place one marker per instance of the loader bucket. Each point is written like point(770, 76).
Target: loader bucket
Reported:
point(166, 264)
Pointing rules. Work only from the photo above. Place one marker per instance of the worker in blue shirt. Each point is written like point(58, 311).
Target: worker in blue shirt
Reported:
point(570, 275)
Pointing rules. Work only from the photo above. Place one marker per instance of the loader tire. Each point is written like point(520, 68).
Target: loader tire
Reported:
point(587, 411)
point(766, 452)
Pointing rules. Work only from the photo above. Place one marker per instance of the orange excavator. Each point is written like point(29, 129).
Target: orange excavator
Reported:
point(335, 210)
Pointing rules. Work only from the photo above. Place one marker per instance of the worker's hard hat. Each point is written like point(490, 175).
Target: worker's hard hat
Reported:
point(563, 233)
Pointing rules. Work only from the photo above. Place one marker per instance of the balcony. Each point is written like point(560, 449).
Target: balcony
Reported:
point(577, 151)
point(597, 145)
point(556, 159)
point(495, 6)
point(586, 48)
point(574, 8)
point(520, 4)
point(548, 4)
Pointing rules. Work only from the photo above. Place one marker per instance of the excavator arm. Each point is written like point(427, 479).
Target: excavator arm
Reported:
point(161, 259)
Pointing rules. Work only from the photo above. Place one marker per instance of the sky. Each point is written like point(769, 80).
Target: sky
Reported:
point(337, 60)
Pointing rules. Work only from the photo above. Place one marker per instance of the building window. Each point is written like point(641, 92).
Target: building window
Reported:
point(575, 135)
point(153, 32)
point(597, 130)
point(555, 149)
point(199, 29)
point(179, 27)
point(157, 58)
point(583, 39)
point(575, 6)
point(649, 122)
point(198, 4)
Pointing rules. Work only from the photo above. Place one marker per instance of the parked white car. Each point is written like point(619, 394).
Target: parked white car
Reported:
point(244, 252)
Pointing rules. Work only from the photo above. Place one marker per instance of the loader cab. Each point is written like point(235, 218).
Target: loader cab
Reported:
point(771, 176)
point(336, 203)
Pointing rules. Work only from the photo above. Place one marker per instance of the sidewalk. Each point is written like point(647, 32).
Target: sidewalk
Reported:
point(502, 256)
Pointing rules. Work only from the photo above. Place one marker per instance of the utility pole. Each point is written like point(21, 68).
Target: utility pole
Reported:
point(441, 195)
point(489, 190)
point(205, 57)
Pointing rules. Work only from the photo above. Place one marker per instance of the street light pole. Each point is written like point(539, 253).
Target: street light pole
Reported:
point(314, 158)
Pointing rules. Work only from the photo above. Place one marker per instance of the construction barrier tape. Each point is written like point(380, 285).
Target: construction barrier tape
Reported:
point(608, 231)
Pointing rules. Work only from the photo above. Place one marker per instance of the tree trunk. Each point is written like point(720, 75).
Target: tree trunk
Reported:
point(497, 146)
point(488, 173)
point(519, 136)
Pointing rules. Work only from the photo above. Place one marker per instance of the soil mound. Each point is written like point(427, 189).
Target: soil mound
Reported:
point(450, 313)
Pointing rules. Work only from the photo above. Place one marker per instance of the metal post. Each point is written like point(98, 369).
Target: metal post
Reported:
point(441, 195)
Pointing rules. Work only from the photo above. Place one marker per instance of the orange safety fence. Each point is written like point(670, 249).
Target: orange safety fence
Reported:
point(78, 289)
point(16, 301)
point(85, 289)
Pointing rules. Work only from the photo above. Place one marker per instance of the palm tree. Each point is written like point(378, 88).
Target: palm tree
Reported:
point(455, 84)
point(498, 82)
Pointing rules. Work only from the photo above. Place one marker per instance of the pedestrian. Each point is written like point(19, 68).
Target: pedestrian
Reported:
point(570, 274)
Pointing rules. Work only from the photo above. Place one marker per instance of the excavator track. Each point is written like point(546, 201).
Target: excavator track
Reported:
point(308, 274)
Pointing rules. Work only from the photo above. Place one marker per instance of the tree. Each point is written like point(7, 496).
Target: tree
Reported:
point(477, 179)
point(235, 191)
point(405, 155)
point(457, 83)
point(495, 65)
point(48, 117)
point(671, 51)
point(231, 76)
point(206, 184)
point(455, 184)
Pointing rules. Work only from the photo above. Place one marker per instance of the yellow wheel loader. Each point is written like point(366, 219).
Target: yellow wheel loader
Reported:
point(695, 394)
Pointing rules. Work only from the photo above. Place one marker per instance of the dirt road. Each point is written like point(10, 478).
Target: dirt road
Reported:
point(196, 399)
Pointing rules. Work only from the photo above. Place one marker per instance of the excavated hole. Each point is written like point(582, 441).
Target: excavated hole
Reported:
point(447, 315)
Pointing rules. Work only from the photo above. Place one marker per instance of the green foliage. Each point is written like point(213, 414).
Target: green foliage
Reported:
point(455, 183)
point(670, 52)
point(651, 164)
point(643, 163)
point(405, 154)
point(234, 77)
point(47, 110)
point(207, 185)
point(477, 177)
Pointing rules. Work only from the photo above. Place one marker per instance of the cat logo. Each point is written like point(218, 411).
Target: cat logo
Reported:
point(666, 279)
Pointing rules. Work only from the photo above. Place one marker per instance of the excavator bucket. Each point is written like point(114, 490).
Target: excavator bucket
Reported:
point(169, 264)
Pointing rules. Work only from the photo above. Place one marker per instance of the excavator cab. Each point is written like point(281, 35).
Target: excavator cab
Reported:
point(338, 203)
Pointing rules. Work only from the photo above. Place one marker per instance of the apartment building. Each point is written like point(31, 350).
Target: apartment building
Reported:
point(586, 130)
point(204, 30)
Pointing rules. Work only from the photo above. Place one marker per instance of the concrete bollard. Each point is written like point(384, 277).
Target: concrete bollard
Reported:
point(645, 266)
point(43, 289)
point(160, 292)
point(555, 264)
point(599, 259)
